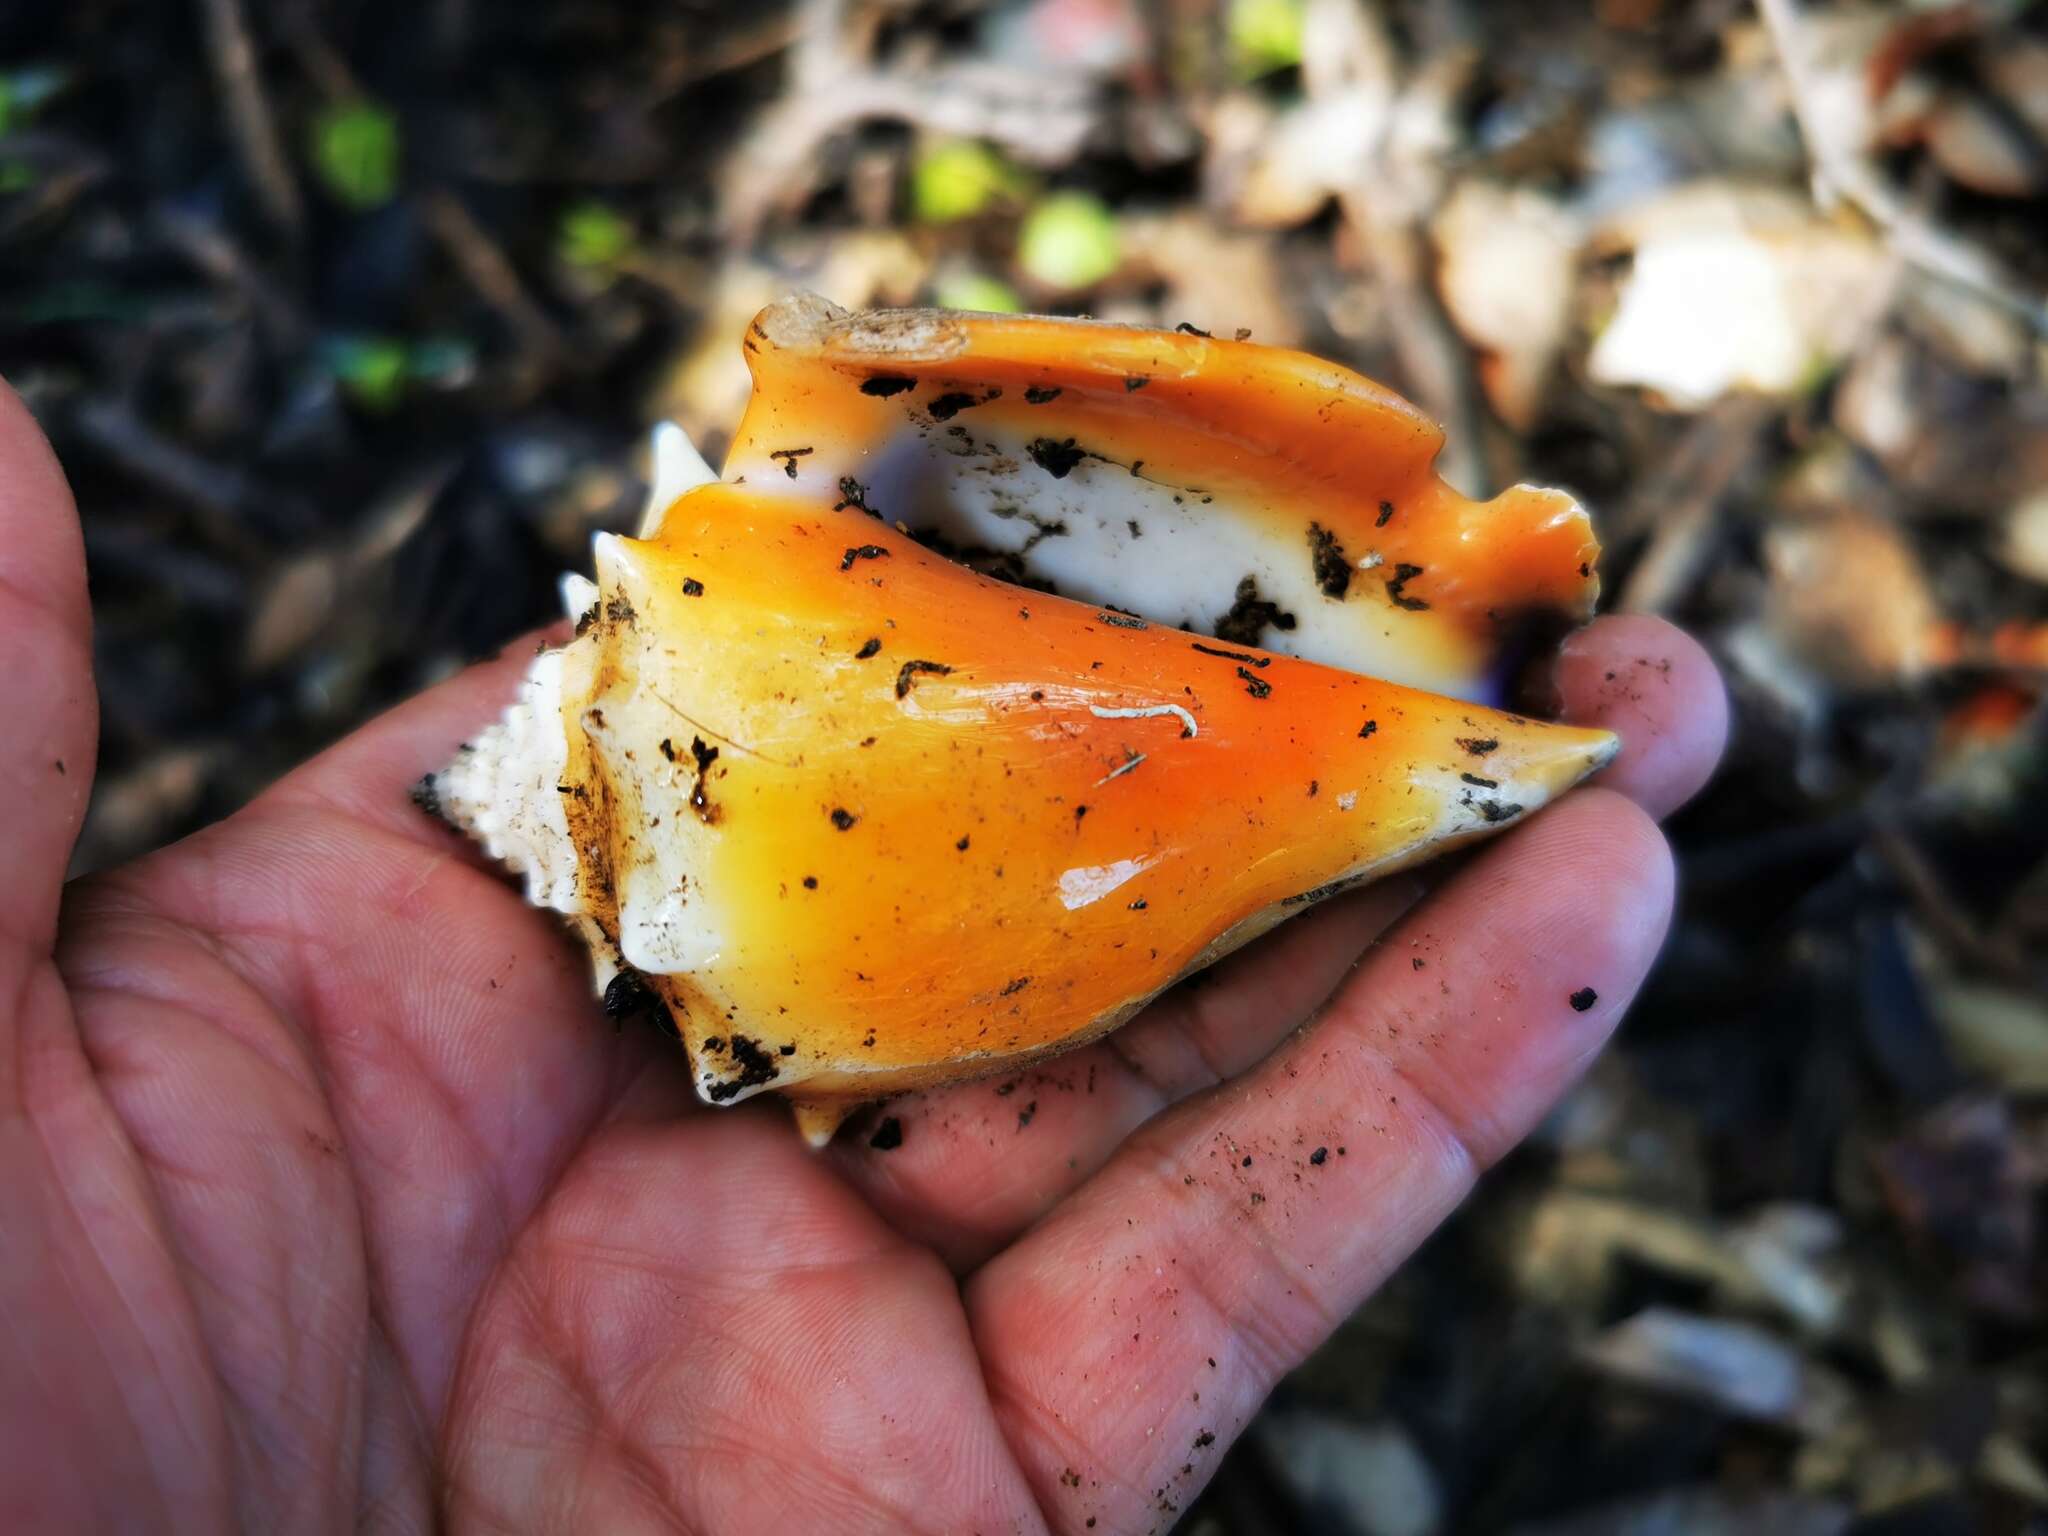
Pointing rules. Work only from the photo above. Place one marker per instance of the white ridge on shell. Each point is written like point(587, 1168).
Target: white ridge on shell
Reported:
point(678, 468)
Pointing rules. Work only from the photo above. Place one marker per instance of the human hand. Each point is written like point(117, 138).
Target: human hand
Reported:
point(328, 1200)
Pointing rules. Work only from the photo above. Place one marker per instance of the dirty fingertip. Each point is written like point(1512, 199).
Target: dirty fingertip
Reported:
point(1655, 687)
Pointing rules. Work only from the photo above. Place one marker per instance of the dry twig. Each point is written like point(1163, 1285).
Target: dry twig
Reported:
point(1939, 909)
point(751, 47)
point(233, 57)
point(1038, 118)
point(215, 493)
point(214, 251)
point(1349, 50)
point(492, 273)
point(1680, 502)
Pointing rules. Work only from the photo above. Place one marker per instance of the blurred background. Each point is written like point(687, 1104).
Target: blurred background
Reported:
point(349, 319)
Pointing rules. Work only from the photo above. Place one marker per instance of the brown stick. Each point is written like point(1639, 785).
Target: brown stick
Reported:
point(491, 270)
point(1680, 502)
point(1390, 209)
point(760, 42)
point(1930, 897)
point(1434, 360)
point(233, 57)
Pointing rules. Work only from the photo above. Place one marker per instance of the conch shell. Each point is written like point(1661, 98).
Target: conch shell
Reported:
point(863, 819)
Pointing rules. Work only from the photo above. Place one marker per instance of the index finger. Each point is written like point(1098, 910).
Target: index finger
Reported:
point(1129, 1336)
point(1656, 688)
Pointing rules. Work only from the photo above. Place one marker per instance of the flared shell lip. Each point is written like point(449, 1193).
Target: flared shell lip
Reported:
point(1353, 452)
point(1117, 353)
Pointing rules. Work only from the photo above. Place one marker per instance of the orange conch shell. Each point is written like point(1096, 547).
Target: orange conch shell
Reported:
point(1237, 489)
point(865, 819)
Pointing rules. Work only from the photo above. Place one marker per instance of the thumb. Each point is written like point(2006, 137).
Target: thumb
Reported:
point(48, 712)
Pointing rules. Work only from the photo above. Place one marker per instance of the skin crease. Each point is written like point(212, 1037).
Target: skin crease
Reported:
point(330, 1202)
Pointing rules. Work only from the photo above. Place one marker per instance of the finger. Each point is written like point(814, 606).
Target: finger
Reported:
point(50, 724)
point(965, 1169)
point(1655, 687)
point(1130, 1336)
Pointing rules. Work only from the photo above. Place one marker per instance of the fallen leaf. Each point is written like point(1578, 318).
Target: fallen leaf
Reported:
point(1736, 1367)
point(1849, 599)
point(1734, 291)
point(1507, 260)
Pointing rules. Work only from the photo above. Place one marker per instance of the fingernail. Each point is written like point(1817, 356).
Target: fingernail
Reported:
point(1552, 685)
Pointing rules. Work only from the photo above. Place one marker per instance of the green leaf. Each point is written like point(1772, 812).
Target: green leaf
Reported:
point(372, 370)
point(1265, 35)
point(976, 291)
point(593, 236)
point(355, 154)
point(958, 178)
point(1069, 241)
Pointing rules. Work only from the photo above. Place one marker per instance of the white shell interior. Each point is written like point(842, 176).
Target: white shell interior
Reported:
point(1173, 554)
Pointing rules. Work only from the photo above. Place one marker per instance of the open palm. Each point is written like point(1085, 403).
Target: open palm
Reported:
point(328, 1199)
